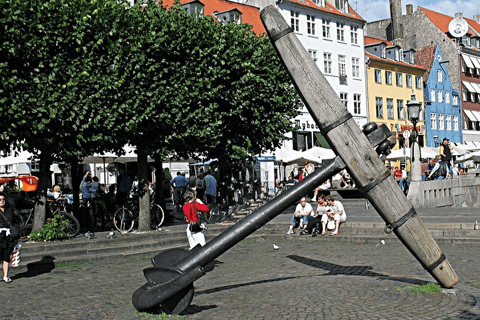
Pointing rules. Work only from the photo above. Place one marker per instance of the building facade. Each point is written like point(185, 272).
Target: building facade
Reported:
point(393, 76)
point(423, 27)
point(442, 103)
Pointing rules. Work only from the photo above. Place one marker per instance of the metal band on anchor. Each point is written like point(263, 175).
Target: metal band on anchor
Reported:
point(335, 124)
point(436, 263)
point(395, 225)
point(280, 34)
point(378, 180)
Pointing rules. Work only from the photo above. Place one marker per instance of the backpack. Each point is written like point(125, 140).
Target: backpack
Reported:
point(442, 170)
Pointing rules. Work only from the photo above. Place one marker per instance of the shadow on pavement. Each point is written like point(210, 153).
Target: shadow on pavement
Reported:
point(36, 268)
point(336, 269)
point(193, 308)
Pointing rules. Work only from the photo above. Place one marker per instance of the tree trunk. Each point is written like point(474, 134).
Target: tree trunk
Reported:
point(143, 193)
point(75, 187)
point(159, 177)
point(43, 182)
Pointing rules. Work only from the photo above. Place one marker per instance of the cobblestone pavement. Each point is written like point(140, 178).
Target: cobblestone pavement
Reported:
point(301, 280)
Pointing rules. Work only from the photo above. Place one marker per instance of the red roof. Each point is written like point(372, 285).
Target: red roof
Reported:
point(441, 21)
point(425, 57)
point(393, 62)
point(330, 9)
point(250, 15)
point(371, 40)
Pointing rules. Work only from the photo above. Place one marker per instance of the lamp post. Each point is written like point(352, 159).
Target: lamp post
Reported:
point(435, 141)
point(414, 108)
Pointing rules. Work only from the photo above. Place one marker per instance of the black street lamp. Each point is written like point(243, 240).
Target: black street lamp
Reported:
point(414, 108)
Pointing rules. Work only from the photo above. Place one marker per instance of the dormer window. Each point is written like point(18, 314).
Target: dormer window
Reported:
point(194, 8)
point(383, 52)
point(229, 16)
point(320, 3)
point(341, 5)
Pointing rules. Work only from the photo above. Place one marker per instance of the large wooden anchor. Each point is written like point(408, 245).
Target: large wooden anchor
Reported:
point(169, 284)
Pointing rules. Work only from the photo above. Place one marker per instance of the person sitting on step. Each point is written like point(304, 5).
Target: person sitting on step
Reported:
point(303, 211)
point(335, 212)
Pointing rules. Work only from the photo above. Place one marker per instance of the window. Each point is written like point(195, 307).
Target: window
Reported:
point(235, 17)
point(472, 96)
point(313, 54)
point(320, 3)
point(193, 9)
point(432, 95)
point(356, 104)
point(388, 77)
point(378, 76)
point(356, 67)
point(455, 123)
point(342, 66)
point(455, 100)
point(310, 25)
point(440, 96)
point(399, 79)
point(379, 107)
point(327, 62)
point(433, 121)
point(343, 98)
point(295, 20)
point(440, 75)
point(341, 5)
point(340, 31)
point(448, 120)
point(441, 124)
point(326, 28)
point(409, 80)
point(464, 94)
point(400, 110)
point(418, 82)
point(354, 34)
point(447, 96)
point(390, 113)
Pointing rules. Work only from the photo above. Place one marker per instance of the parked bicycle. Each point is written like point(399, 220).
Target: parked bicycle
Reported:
point(128, 214)
point(23, 219)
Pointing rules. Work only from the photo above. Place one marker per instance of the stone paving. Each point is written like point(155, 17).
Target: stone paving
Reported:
point(301, 280)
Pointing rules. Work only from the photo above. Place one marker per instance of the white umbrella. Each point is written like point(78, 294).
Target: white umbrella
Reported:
point(22, 157)
point(322, 153)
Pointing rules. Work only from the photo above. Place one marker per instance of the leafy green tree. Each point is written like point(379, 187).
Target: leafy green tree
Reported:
point(52, 80)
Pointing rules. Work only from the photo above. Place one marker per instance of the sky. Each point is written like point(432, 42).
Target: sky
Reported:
point(373, 10)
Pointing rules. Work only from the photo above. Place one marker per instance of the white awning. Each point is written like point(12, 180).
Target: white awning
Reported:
point(468, 62)
point(469, 86)
point(476, 114)
point(476, 62)
point(469, 115)
point(475, 86)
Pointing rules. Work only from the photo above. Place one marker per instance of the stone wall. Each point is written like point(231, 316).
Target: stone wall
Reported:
point(461, 191)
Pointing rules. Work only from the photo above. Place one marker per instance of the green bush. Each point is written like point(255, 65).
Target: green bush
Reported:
point(55, 230)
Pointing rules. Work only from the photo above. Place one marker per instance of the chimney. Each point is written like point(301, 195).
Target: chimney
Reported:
point(396, 15)
point(409, 9)
point(458, 16)
point(476, 17)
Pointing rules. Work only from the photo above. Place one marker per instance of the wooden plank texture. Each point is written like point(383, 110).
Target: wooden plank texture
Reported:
point(349, 142)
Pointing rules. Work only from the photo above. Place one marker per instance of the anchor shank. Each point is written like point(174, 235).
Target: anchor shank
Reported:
point(259, 217)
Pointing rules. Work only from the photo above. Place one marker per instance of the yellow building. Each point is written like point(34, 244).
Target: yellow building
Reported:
point(392, 77)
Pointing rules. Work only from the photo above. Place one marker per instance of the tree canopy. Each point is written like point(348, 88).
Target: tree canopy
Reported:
point(78, 76)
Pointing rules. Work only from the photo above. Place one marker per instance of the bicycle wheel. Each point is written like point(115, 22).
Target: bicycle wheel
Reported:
point(123, 220)
point(157, 215)
point(24, 223)
point(215, 214)
point(73, 226)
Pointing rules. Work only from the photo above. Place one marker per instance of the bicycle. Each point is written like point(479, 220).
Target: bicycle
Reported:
point(23, 219)
point(125, 217)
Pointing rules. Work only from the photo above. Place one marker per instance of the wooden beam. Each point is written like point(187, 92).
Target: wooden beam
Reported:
point(349, 142)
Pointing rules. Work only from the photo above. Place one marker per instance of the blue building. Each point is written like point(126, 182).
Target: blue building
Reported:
point(442, 103)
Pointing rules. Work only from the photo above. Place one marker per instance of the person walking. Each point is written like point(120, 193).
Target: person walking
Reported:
point(195, 230)
point(124, 185)
point(7, 243)
point(210, 187)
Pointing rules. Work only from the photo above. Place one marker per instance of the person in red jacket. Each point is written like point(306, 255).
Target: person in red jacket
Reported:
point(191, 210)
